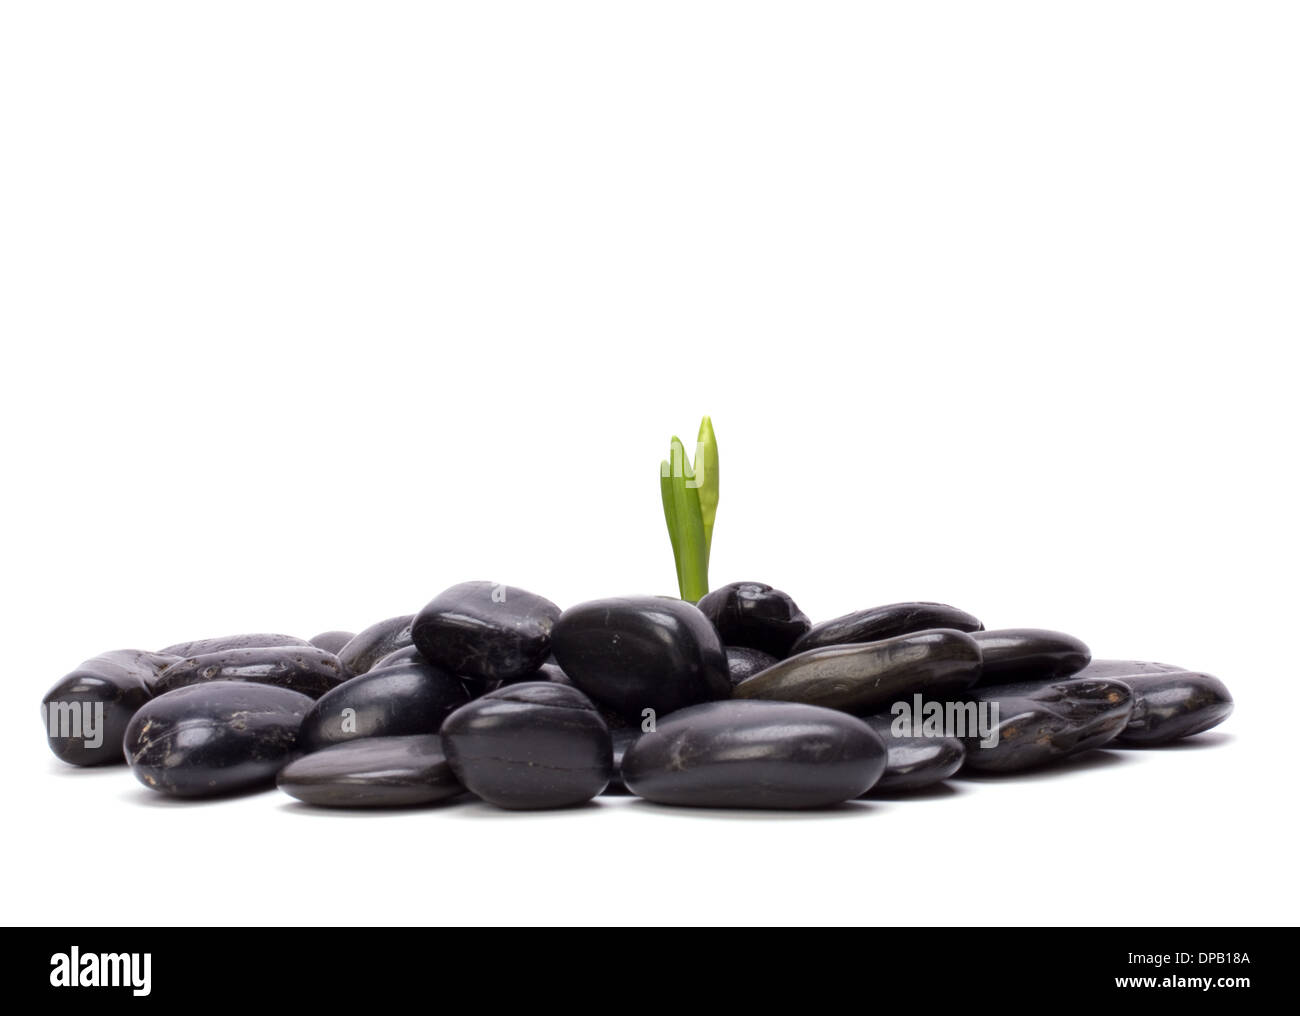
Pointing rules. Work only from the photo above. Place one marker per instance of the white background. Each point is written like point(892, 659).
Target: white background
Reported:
point(310, 310)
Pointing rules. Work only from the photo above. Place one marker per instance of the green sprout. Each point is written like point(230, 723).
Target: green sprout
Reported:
point(690, 496)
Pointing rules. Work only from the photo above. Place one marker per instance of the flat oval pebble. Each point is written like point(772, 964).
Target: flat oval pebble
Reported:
point(914, 762)
point(530, 745)
point(374, 772)
point(304, 669)
point(1012, 655)
point(485, 631)
point(754, 755)
point(869, 677)
point(1168, 703)
point(218, 737)
point(885, 622)
point(635, 653)
point(755, 615)
point(743, 662)
point(332, 641)
point(407, 698)
point(1040, 723)
point(86, 713)
point(372, 644)
point(257, 640)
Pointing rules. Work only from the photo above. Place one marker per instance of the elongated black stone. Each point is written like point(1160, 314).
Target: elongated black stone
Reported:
point(912, 762)
point(86, 712)
point(374, 772)
point(407, 698)
point(303, 669)
point(885, 622)
point(1040, 723)
point(214, 738)
point(257, 640)
point(641, 652)
point(755, 615)
point(743, 662)
point(332, 641)
point(749, 754)
point(531, 745)
point(1168, 703)
point(485, 631)
point(1012, 655)
point(372, 644)
point(869, 677)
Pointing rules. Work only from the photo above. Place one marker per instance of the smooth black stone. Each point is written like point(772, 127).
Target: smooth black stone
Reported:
point(218, 737)
point(621, 738)
point(374, 772)
point(332, 641)
point(303, 669)
point(398, 657)
point(86, 713)
point(642, 652)
point(531, 745)
point(1012, 655)
point(485, 631)
point(914, 763)
point(743, 662)
point(755, 615)
point(1168, 703)
point(755, 755)
point(258, 640)
point(869, 677)
point(1040, 723)
point(408, 698)
point(374, 643)
point(889, 621)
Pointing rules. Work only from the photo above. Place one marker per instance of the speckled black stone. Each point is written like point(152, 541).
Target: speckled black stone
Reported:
point(485, 631)
point(885, 622)
point(332, 641)
point(1039, 723)
point(1168, 703)
point(537, 744)
point(866, 678)
point(1012, 655)
point(405, 698)
point(751, 754)
point(755, 615)
point(257, 640)
point(743, 662)
point(642, 652)
point(214, 738)
point(914, 763)
point(304, 669)
point(374, 643)
point(86, 712)
point(374, 772)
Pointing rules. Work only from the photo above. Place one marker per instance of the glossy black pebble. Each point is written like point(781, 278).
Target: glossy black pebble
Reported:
point(755, 755)
point(303, 669)
point(914, 763)
point(642, 652)
point(256, 640)
point(1168, 703)
point(332, 641)
point(375, 772)
point(214, 738)
point(85, 714)
point(870, 677)
point(407, 698)
point(485, 631)
point(530, 745)
point(1012, 655)
point(743, 662)
point(372, 644)
point(1041, 723)
point(889, 621)
point(755, 615)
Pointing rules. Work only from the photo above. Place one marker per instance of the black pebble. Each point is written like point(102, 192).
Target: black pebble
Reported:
point(755, 615)
point(332, 641)
point(374, 772)
point(485, 631)
point(304, 669)
point(1012, 655)
point(743, 662)
point(885, 622)
point(373, 643)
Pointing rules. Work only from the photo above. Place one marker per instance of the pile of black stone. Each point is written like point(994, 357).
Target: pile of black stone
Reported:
point(495, 692)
